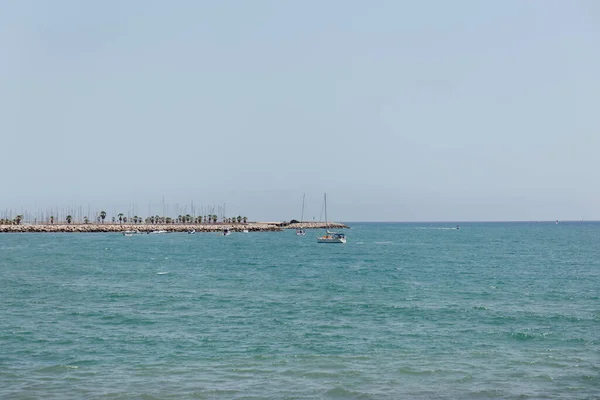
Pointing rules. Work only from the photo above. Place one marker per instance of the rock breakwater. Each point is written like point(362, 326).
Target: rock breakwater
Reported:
point(316, 225)
point(144, 228)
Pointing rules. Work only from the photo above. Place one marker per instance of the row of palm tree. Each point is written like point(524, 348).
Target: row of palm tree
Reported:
point(121, 218)
point(16, 221)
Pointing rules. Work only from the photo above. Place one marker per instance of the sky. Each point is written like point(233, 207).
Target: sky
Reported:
point(398, 110)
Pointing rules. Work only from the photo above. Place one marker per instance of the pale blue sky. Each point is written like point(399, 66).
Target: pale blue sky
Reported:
point(420, 110)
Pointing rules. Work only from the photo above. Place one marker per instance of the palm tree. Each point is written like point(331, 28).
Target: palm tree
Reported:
point(86, 220)
point(102, 215)
point(245, 219)
point(113, 220)
point(125, 219)
point(188, 218)
point(69, 219)
point(239, 219)
point(120, 215)
point(51, 219)
point(18, 219)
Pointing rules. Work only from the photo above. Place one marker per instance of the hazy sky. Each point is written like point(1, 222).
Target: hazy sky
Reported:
point(399, 110)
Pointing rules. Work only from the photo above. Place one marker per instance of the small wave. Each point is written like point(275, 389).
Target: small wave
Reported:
point(56, 368)
point(465, 378)
point(414, 371)
point(439, 229)
point(162, 273)
point(528, 336)
point(342, 393)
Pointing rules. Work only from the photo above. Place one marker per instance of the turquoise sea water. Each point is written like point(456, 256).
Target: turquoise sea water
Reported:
point(506, 310)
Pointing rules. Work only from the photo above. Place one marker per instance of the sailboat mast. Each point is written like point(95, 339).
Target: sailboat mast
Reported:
point(325, 197)
point(302, 216)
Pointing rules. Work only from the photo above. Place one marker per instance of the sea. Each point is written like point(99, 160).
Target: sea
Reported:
point(401, 311)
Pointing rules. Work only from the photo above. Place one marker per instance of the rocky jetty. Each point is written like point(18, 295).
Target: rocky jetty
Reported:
point(316, 225)
point(143, 228)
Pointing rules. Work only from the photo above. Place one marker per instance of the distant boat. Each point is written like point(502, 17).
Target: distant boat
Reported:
point(330, 237)
point(130, 233)
point(301, 232)
point(157, 232)
point(457, 226)
point(245, 231)
point(226, 232)
point(191, 232)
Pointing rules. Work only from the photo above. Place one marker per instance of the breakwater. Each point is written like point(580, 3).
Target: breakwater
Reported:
point(85, 228)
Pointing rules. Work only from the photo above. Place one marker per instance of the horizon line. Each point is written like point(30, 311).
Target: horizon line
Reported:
point(468, 221)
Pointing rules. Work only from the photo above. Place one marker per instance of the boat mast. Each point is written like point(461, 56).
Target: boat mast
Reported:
point(302, 217)
point(325, 197)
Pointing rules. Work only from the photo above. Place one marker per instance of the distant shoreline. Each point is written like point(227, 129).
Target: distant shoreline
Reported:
point(118, 228)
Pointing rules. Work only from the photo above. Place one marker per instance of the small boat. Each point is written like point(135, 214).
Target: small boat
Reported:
point(157, 232)
point(330, 237)
point(130, 233)
point(245, 231)
point(191, 231)
point(127, 234)
point(226, 232)
point(457, 226)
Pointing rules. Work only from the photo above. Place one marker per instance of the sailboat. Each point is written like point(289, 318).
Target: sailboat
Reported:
point(301, 232)
point(330, 237)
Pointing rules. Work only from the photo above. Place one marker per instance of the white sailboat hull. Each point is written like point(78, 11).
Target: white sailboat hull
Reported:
point(331, 240)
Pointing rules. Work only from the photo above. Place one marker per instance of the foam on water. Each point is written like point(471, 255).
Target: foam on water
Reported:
point(497, 311)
